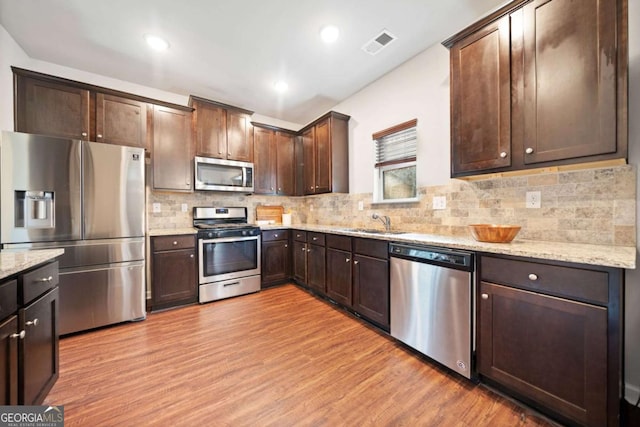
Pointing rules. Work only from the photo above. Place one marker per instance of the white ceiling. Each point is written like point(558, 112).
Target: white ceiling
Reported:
point(233, 51)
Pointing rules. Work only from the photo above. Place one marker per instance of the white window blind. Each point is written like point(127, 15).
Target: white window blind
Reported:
point(397, 144)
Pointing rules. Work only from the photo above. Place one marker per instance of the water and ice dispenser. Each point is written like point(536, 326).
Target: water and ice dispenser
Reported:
point(35, 209)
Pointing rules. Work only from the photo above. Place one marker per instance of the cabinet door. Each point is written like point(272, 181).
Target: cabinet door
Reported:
point(239, 136)
point(54, 109)
point(371, 288)
point(309, 160)
point(172, 149)
point(548, 349)
point(121, 121)
point(9, 361)
point(211, 130)
point(339, 276)
point(264, 147)
point(570, 61)
point(174, 278)
point(316, 265)
point(275, 261)
point(481, 100)
point(300, 262)
point(285, 158)
point(323, 157)
point(39, 349)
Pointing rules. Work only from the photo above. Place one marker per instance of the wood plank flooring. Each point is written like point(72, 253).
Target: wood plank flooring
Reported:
point(280, 357)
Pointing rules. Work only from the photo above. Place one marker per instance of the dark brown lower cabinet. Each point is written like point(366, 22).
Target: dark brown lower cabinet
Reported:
point(174, 266)
point(9, 361)
point(299, 259)
point(549, 334)
point(339, 274)
point(316, 265)
point(275, 257)
point(38, 351)
point(371, 288)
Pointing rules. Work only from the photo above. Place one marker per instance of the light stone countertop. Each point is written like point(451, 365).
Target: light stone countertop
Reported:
point(16, 260)
point(172, 231)
point(607, 256)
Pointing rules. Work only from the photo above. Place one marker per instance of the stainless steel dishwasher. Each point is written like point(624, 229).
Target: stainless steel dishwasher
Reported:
point(431, 303)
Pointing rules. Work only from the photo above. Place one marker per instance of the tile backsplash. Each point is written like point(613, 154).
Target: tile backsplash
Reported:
point(596, 206)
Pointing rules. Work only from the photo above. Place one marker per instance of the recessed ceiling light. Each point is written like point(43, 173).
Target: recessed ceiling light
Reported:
point(329, 33)
point(281, 86)
point(156, 43)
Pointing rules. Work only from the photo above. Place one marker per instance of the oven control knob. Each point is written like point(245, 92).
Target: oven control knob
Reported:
point(210, 235)
point(244, 232)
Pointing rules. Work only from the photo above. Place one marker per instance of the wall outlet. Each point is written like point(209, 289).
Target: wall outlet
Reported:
point(360, 205)
point(157, 208)
point(184, 207)
point(533, 200)
point(439, 202)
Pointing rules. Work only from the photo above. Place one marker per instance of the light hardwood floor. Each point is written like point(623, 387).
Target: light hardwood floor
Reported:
point(280, 357)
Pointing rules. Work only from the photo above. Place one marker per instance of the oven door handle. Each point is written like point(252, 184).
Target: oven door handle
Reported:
point(228, 239)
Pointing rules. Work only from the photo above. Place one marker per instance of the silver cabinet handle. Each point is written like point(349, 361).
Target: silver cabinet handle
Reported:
point(286, 246)
point(311, 188)
point(275, 235)
point(315, 238)
point(485, 296)
point(304, 249)
point(503, 154)
point(191, 256)
point(99, 135)
point(33, 322)
point(529, 150)
point(533, 276)
point(45, 279)
point(271, 188)
point(84, 134)
point(21, 335)
point(279, 188)
point(347, 260)
point(356, 261)
point(175, 242)
point(308, 250)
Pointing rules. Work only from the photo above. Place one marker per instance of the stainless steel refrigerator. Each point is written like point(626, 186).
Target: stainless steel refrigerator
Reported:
point(89, 199)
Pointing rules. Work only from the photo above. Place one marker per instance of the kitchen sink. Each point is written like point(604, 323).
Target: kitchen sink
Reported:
point(373, 231)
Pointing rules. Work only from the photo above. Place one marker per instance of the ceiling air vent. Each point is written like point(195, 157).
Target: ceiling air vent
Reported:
point(376, 44)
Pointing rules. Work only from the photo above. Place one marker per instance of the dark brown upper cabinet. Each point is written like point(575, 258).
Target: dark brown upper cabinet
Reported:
point(172, 149)
point(539, 83)
point(53, 106)
point(222, 131)
point(325, 152)
point(273, 160)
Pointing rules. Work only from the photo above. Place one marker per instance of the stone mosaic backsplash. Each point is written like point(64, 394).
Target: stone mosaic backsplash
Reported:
point(594, 206)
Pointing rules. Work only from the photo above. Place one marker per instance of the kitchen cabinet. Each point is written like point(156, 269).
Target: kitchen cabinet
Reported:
point(549, 334)
point(174, 268)
point(276, 257)
point(309, 260)
point(518, 101)
point(274, 161)
point(325, 152)
point(58, 107)
point(9, 337)
point(358, 276)
point(172, 149)
point(222, 131)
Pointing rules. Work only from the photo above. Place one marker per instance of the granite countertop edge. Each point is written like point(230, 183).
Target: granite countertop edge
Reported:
point(13, 261)
point(600, 255)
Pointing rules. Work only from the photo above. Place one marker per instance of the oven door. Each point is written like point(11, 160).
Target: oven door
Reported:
point(228, 258)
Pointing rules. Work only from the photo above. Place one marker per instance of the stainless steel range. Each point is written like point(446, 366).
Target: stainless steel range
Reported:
point(228, 253)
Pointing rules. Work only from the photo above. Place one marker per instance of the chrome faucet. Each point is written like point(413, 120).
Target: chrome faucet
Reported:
point(385, 220)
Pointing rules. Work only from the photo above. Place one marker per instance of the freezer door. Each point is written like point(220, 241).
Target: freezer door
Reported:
point(91, 297)
point(113, 191)
point(39, 188)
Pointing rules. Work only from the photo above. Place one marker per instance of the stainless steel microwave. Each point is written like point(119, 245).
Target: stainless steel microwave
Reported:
point(223, 175)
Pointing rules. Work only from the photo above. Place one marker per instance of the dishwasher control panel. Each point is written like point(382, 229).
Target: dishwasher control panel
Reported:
point(428, 253)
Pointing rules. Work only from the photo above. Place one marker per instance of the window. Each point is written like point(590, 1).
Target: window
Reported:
point(395, 170)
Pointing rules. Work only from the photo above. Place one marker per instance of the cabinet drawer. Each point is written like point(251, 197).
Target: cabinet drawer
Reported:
point(370, 247)
point(168, 243)
point(38, 281)
point(271, 235)
point(316, 238)
point(8, 298)
point(339, 242)
point(299, 236)
point(577, 283)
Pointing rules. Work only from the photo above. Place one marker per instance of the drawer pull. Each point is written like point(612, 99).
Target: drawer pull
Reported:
point(175, 242)
point(485, 296)
point(533, 276)
point(347, 260)
point(286, 246)
point(503, 154)
point(308, 250)
point(304, 249)
point(33, 322)
point(355, 262)
point(45, 279)
point(21, 335)
point(191, 256)
point(275, 236)
point(314, 239)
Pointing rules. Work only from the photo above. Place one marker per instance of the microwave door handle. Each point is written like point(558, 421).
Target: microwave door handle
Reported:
point(244, 177)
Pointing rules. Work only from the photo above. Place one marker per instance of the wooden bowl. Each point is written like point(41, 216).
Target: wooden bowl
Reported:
point(494, 233)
